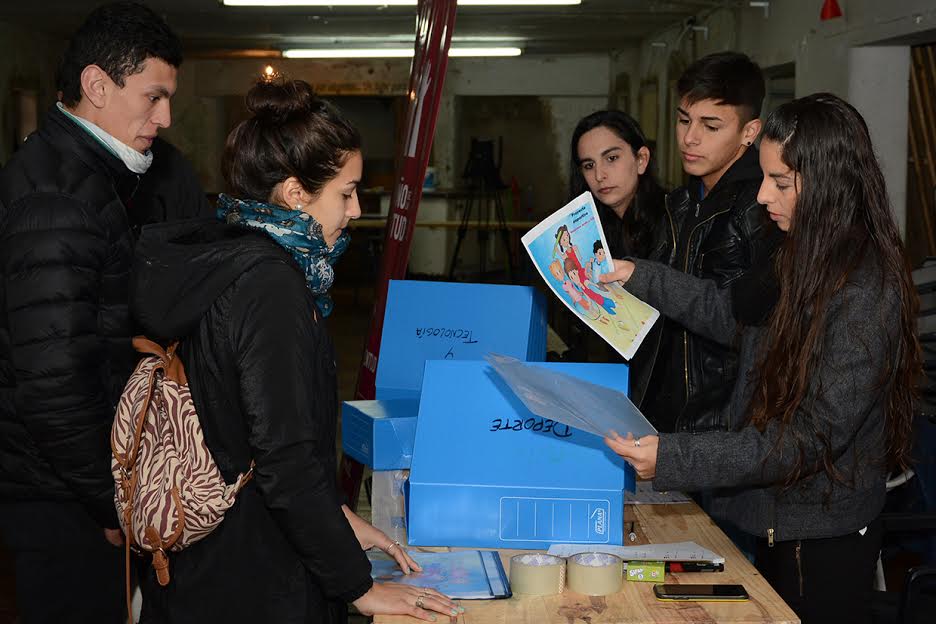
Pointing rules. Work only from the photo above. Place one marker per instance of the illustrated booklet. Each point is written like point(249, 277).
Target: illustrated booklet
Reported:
point(570, 252)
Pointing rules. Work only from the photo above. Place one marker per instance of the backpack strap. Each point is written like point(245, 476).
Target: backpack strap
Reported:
point(172, 366)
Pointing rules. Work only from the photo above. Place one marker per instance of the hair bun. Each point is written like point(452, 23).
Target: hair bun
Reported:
point(278, 100)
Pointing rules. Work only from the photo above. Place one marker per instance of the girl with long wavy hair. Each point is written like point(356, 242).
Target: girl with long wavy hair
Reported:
point(823, 406)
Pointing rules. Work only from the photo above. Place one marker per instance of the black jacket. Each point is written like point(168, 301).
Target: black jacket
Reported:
point(65, 254)
point(170, 190)
point(68, 210)
point(261, 368)
point(661, 248)
point(726, 237)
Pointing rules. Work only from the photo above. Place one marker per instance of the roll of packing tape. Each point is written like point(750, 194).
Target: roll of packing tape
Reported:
point(595, 574)
point(537, 574)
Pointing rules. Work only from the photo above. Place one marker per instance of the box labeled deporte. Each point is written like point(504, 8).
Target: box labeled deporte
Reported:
point(487, 472)
point(454, 321)
point(380, 434)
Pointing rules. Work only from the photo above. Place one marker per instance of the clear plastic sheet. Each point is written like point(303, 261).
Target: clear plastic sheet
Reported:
point(571, 401)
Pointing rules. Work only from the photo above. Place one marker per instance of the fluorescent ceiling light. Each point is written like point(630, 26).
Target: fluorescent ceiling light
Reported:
point(307, 53)
point(347, 3)
point(312, 53)
point(484, 51)
point(352, 41)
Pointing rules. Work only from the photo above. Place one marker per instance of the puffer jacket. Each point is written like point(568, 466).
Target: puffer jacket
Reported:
point(725, 236)
point(65, 354)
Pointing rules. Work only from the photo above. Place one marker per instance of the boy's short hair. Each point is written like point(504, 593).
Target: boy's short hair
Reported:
point(118, 38)
point(569, 265)
point(728, 78)
point(596, 246)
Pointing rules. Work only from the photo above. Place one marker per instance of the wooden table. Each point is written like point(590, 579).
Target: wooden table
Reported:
point(635, 603)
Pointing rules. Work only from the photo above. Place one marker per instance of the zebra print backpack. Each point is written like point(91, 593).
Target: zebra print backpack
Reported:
point(169, 492)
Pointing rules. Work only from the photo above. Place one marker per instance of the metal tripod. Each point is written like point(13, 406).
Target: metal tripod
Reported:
point(484, 187)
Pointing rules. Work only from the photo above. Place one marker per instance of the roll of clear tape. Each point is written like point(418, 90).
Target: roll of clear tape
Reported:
point(595, 574)
point(537, 574)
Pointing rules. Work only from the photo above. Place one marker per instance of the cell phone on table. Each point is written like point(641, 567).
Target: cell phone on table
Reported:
point(700, 593)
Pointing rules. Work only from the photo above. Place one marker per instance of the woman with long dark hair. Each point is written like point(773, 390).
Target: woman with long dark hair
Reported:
point(824, 402)
point(611, 158)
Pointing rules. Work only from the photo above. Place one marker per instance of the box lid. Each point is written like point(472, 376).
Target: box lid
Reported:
point(454, 321)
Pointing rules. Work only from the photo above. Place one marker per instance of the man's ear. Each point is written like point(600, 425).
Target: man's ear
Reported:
point(94, 85)
point(751, 131)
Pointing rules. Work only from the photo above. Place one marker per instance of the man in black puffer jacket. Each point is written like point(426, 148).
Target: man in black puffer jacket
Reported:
point(66, 213)
point(723, 235)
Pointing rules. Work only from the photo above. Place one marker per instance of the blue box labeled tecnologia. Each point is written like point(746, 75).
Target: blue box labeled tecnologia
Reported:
point(487, 472)
point(454, 321)
point(380, 434)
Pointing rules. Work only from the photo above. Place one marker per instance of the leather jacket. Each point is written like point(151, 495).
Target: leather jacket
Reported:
point(725, 236)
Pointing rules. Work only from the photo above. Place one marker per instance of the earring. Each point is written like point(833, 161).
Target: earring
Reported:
point(298, 206)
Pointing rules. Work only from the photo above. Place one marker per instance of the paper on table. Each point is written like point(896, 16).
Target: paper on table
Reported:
point(571, 401)
point(679, 551)
point(644, 494)
point(469, 574)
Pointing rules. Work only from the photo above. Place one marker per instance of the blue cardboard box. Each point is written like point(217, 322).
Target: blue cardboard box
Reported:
point(379, 434)
point(454, 321)
point(487, 472)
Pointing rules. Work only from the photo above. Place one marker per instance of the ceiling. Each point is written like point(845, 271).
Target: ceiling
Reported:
point(207, 28)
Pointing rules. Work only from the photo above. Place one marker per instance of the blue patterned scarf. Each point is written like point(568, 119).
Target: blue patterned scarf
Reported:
point(298, 233)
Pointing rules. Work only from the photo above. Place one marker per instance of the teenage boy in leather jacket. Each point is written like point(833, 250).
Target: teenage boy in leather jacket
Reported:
point(722, 234)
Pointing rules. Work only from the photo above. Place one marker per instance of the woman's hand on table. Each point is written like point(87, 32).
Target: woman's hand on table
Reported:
point(623, 269)
point(641, 453)
point(397, 599)
point(370, 536)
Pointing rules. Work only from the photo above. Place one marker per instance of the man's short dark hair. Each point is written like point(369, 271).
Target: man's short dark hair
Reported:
point(596, 246)
point(118, 38)
point(728, 78)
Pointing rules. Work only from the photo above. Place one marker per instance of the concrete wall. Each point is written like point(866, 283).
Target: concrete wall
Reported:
point(879, 80)
point(207, 104)
point(27, 63)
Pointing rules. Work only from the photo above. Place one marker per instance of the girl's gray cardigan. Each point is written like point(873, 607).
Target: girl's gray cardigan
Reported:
point(744, 467)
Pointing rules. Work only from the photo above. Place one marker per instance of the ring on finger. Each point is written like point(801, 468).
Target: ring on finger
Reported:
point(636, 442)
point(419, 601)
point(392, 546)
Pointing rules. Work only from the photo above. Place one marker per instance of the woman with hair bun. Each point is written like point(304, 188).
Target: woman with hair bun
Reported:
point(248, 299)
